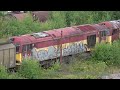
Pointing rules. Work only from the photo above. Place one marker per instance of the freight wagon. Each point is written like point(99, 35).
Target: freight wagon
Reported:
point(8, 55)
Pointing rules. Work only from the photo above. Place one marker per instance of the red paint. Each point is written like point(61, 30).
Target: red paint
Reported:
point(61, 49)
point(87, 28)
point(69, 34)
point(20, 16)
point(107, 24)
point(111, 26)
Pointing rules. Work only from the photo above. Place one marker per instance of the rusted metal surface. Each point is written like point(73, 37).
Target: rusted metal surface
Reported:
point(7, 54)
point(46, 47)
point(20, 16)
point(100, 27)
point(47, 44)
point(107, 24)
point(115, 24)
point(115, 30)
point(61, 48)
point(88, 30)
point(42, 16)
point(52, 34)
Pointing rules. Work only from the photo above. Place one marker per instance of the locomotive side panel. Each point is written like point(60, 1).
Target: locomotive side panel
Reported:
point(1, 57)
point(6, 57)
point(53, 52)
point(12, 61)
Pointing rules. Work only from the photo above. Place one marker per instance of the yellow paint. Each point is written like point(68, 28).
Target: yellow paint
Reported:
point(119, 35)
point(40, 49)
point(97, 39)
point(65, 45)
point(69, 44)
point(19, 57)
point(103, 41)
point(84, 41)
point(109, 39)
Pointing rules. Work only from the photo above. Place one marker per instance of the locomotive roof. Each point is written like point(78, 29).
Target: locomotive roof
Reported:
point(115, 23)
point(100, 27)
point(46, 35)
point(54, 34)
point(87, 28)
point(107, 24)
point(111, 24)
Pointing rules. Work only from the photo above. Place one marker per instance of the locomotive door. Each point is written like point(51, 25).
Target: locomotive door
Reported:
point(115, 34)
point(91, 41)
point(26, 51)
point(102, 36)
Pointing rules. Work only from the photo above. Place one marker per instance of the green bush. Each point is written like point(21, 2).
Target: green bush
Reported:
point(102, 52)
point(57, 19)
point(107, 53)
point(30, 69)
point(55, 67)
point(3, 73)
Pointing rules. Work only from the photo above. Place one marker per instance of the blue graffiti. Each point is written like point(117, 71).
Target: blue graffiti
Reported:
point(54, 52)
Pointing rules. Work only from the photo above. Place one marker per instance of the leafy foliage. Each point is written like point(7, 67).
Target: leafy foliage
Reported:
point(108, 53)
point(3, 72)
point(57, 19)
point(29, 69)
point(102, 56)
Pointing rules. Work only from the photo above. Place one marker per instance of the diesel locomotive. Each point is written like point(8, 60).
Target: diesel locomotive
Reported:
point(52, 44)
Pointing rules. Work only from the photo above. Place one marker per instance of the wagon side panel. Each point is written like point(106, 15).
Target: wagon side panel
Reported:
point(1, 57)
point(6, 57)
point(12, 58)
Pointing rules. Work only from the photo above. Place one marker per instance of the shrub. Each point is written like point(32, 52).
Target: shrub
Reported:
point(107, 53)
point(3, 73)
point(30, 69)
point(102, 52)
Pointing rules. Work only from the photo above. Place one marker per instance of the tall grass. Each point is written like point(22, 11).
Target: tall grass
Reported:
point(3, 72)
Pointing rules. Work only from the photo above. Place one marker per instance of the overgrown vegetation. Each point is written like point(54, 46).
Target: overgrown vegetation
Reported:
point(105, 57)
point(108, 53)
point(57, 19)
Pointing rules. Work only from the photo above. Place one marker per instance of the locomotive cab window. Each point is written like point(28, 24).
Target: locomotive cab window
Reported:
point(17, 48)
point(27, 47)
point(103, 33)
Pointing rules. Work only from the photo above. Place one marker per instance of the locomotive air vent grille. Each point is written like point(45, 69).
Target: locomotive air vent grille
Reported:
point(39, 35)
